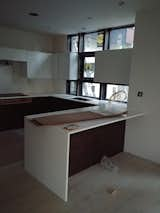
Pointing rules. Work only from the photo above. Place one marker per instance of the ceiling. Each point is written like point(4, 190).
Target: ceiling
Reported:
point(70, 16)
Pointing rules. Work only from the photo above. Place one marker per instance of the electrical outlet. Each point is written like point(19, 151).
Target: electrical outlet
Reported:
point(140, 94)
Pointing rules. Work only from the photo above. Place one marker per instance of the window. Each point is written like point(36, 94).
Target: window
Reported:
point(117, 92)
point(72, 87)
point(122, 38)
point(89, 67)
point(93, 41)
point(91, 89)
point(85, 44)
point(74, 43)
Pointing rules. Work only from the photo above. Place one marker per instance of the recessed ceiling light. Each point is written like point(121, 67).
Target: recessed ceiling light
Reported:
point(33, 14)
point(121, 3)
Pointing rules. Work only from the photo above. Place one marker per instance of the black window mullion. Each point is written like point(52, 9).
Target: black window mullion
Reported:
point(80, 88)
point(102, 91)
point(69, 43)
point(104, 39)
point(109, 35)
point(68, 86)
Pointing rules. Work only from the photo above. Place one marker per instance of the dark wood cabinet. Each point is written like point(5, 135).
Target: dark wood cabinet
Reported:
point(88, 147)
point(12, 118)
point(12, 115)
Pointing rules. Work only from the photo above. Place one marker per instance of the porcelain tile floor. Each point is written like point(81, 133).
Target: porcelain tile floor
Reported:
point(135, 188)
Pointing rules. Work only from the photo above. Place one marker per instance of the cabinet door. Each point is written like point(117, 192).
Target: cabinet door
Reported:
point(73, 66)
point(63, 66)
point(41, 65)
point(67, 66)
point(88, 147)
point(13, 54)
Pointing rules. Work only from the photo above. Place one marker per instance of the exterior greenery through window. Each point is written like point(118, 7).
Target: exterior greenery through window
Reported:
point(86, 44)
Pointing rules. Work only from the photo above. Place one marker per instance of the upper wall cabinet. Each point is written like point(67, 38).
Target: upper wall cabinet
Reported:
point(73, 66)
point(67, 66)
point(41, 65)
point(113, 66)
point(12, 54)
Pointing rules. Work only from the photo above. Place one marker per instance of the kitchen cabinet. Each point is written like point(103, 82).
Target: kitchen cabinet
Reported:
point(67, 152)
point(13, 54)
point(113, 66)
point(93, 144)
point(12, 115)
point(41, 65)
point(58, 66)
point(66, 66)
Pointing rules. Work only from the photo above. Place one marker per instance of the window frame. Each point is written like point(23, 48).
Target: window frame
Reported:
point(98, 31)
point(91, 83)
point(68, 87)
point(105, 98)
point(82, 55)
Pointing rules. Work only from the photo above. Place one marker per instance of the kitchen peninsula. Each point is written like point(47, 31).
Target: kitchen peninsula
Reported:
point(56, 149)
point(13, 108)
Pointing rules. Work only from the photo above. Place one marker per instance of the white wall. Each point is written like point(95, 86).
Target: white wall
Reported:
point(17, 81)
point(14, 38)
point(143, 134)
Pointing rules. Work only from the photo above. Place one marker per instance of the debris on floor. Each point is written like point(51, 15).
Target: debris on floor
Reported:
point(107, 164)
point(112, 191)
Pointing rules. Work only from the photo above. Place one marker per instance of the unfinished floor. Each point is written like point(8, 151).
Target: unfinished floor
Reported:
point(135, 188)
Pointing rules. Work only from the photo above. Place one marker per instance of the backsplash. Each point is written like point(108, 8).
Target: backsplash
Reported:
point(16, 81)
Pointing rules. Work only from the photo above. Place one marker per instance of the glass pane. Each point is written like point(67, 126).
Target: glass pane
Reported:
point(89, 67)
point(93, 41)
point(122, 38)
point(74, 44)
point(90, 89)
point(73, 87)
point(117, 92)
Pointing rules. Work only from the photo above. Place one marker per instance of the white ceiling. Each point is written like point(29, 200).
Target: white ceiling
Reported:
point(70, 16)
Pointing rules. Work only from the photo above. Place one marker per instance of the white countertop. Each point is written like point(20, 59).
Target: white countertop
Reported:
point(28, 96)
point(102, 106)
point(47, 148)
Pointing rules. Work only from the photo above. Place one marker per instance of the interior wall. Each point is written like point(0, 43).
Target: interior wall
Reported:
point(17, 82)
point(14, 38)
point(143, 134)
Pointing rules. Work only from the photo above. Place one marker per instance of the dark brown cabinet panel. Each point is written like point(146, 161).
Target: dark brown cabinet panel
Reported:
point(12, 115)
point(88, 147)
point(11, 147)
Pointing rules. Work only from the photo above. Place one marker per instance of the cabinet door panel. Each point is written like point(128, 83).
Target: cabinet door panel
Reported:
point(88, 147)
point(41, 65)
point(13, 54)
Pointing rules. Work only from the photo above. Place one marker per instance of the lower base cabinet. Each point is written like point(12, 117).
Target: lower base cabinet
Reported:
point(88, 147)
point(12, 115)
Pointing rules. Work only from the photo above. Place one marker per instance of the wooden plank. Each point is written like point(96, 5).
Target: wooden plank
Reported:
point(52, 120)
point(66, 118)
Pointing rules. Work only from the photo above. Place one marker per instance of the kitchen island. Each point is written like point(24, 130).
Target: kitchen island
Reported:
point(55, 152)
